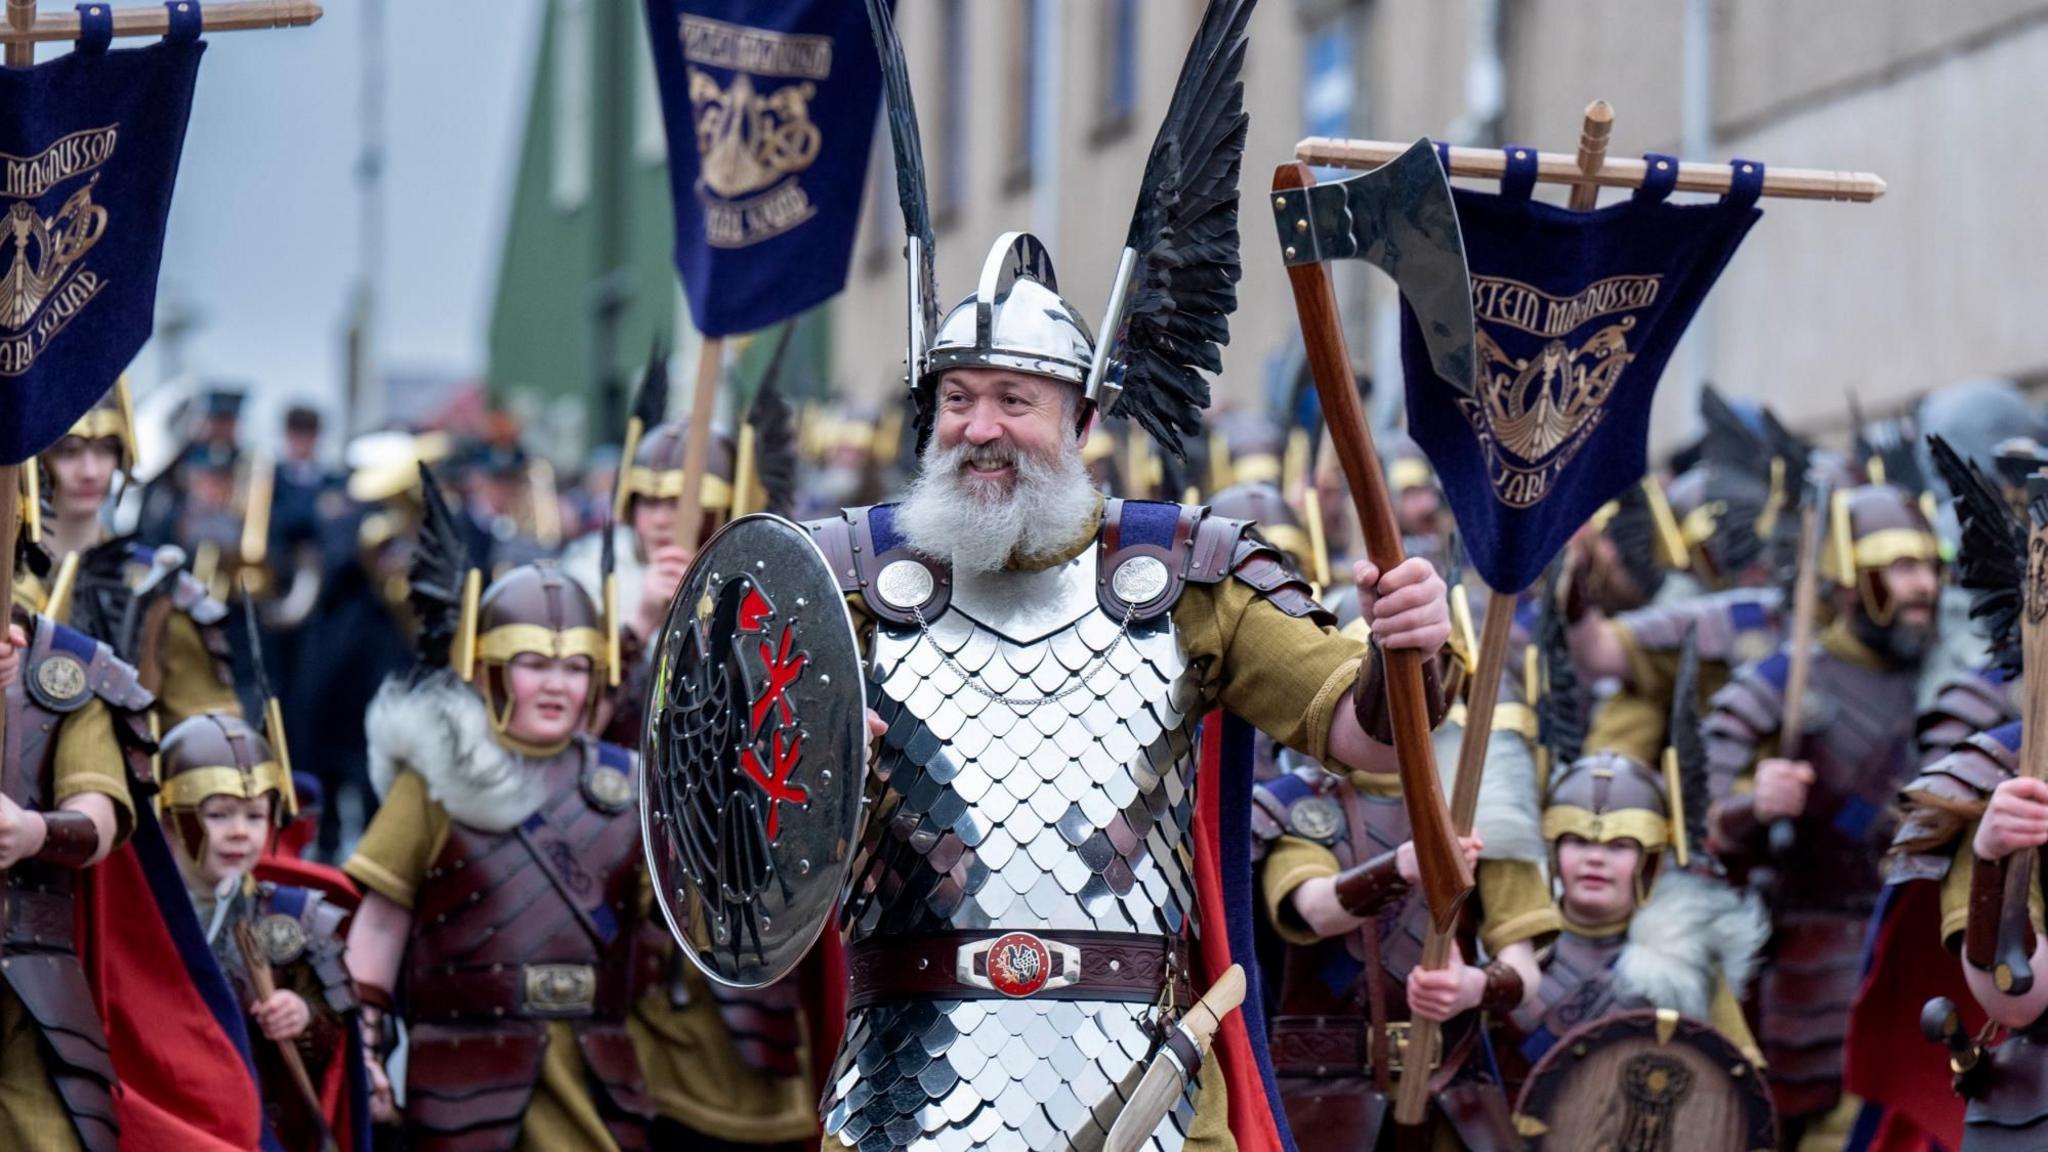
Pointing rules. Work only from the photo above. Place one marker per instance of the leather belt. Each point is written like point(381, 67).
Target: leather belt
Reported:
point(37, 920)
point(1338, 1047)
point(996, 964)
point(499, 991)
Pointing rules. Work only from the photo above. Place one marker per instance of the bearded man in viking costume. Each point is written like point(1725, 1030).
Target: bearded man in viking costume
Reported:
point(1024, 905)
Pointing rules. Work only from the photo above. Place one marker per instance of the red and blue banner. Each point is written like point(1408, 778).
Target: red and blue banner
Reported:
point(89, 147)
point(1575, 315)
point(770, 107)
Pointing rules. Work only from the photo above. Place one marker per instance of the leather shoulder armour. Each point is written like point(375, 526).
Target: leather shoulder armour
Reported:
point(1971, 702)
point(66, 668)
point(1939, 804)
point(870, 556)
point(1151, 550)
point(608, 778)
point(1303, 802)
point(314, 937)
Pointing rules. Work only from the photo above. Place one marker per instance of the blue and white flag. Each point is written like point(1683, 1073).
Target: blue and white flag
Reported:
point(1575, 314)
point(89, 146)
point(770, 107)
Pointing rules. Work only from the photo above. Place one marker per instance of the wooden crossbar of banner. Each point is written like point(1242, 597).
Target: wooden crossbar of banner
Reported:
point(155, 20)
point(1563, 168)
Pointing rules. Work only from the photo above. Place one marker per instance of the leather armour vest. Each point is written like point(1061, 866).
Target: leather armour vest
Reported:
point(64, 670)
point(514, 929)
point(1858, 735)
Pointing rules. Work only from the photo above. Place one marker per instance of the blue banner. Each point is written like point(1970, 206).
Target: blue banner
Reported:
point(89, 146)
point(770, 107)
point(1576, 314)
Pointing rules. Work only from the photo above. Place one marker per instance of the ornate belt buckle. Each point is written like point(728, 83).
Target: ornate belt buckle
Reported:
point(1397, 1039)
point(559, 989)
point(1017, 964)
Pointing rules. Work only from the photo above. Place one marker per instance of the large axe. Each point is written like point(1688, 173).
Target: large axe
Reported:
point(1399, 217)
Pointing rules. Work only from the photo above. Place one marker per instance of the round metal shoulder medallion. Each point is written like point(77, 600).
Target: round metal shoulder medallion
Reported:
point(904, 584)
point(1314, 818)
point(608, 788)
point(1139, 579)
point(61, 677)
point(282, 938)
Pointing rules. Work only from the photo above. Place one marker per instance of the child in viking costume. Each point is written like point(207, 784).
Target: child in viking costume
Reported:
point(142, 601)
point(503, 869)
point(1638, 930)
point(224, 797)
point(76, 729)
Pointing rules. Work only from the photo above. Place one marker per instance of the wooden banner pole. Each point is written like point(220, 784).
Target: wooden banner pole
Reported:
point(23, 33)
point(1563, 168)
point(697, 449)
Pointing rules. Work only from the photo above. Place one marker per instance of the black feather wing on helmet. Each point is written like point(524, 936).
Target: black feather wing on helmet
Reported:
point(1184, 286)
point(440, 568)
point(1991, 558)
point(1691, 750)
point(1560, 724)
point(774, 425)
point(912, 194)
point(650, 403)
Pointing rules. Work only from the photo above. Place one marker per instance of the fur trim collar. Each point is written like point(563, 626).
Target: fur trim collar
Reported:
point(438, 729)
point(1693, 929)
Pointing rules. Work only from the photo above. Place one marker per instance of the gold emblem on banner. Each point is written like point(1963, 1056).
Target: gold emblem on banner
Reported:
point(43, 283)
point(1532, 415)
point(755, 136)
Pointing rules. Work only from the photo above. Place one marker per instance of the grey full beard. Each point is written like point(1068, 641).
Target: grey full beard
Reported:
point(944, 517)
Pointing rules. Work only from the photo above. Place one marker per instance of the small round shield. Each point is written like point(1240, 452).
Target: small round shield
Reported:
point(753, 758)
point(1646, 1081)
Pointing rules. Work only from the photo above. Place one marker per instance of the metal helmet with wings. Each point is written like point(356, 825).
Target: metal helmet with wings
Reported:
point(1176, 280)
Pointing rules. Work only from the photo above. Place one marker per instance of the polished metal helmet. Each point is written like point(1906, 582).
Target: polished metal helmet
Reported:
point(656, 470)
point(1869, 527)
point(532, 608)
point(1603, 797)
point(1016, 319)
point(217, 754)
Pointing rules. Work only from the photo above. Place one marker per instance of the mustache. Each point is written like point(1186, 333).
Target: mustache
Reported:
point(994, 454)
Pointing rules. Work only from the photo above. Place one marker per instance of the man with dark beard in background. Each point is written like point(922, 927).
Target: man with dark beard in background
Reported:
point(1835, 801)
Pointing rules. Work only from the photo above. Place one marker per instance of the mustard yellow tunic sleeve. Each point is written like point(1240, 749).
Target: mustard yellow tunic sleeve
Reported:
point(1284, 674)
point(1514, 903)
point(89, 761)
point(192, 675)
point(401, 842)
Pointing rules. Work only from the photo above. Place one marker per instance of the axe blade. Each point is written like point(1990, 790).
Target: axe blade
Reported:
point(1399, 217)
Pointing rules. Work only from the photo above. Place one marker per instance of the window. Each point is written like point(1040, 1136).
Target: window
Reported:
point(1024, 74)
point(949, 174)
point(570, 181)
point(1116, 74)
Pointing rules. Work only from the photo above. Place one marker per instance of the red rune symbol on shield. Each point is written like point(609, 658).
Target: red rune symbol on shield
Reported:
point(1018, 964)
point(784, 741)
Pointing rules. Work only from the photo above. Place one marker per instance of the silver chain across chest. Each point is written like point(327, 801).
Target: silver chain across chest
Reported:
point(1075, 683)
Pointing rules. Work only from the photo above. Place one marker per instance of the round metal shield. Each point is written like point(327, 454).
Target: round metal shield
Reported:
point(753, 758)
point(1646, 1081)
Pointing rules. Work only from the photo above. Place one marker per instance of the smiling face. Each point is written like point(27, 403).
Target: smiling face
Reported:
point(548, 698)
point(236, 830)
point(994, 416)
point(83, 473)
point(1599, 878)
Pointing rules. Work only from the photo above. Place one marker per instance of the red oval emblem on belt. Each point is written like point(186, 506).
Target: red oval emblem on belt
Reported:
point(1018, 964)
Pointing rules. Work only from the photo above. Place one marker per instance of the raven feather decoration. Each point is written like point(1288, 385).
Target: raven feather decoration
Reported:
point(1991, 558)
point(914, 198)
point(1560, 721)
point(774, 425)
point(1690, 747)
point(1183, 288)
point(650, 403)
point(101, 594)
point(440, 569)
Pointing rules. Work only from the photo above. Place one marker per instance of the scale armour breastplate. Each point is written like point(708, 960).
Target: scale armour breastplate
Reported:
point(1036, 775)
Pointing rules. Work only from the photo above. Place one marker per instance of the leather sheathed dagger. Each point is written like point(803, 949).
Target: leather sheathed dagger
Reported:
point(1178, 1061)
point(1400, 218)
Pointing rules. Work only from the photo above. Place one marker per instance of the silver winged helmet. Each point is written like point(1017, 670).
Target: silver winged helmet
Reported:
point(1176, 279)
